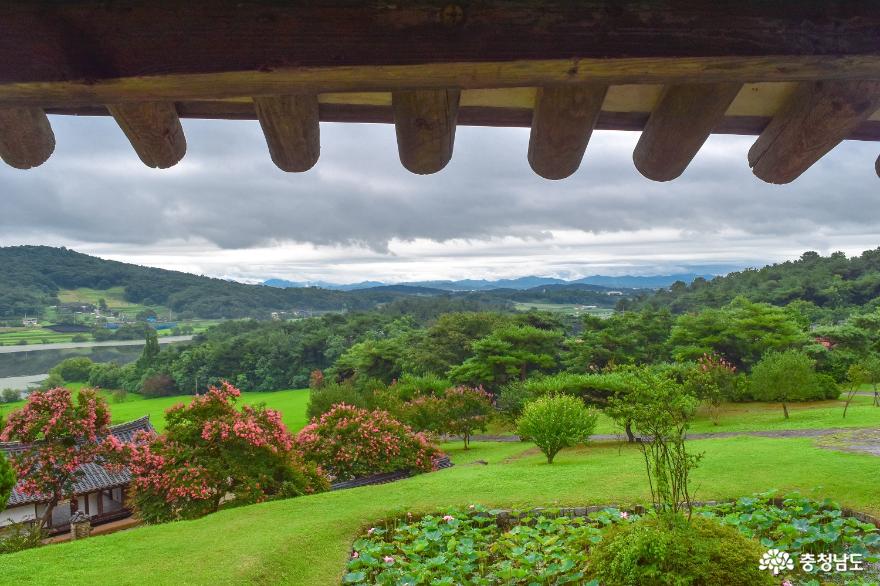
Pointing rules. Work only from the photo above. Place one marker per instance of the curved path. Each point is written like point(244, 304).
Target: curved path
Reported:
point(855, 439)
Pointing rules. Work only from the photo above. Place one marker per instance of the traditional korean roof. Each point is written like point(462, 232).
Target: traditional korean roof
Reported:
point(94, 477)
point(803, 76)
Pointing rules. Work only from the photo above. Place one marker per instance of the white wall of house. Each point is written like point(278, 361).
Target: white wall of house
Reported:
point(18, 514)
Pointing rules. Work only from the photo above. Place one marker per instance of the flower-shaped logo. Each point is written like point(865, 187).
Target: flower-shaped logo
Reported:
point(776, 560)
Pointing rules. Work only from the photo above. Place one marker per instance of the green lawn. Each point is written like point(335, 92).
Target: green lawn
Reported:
point(291, 403)
point(305, 541)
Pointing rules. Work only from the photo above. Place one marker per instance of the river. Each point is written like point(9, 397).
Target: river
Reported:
point(21, 366)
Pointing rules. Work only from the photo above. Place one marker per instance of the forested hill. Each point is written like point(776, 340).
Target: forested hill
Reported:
point(832, 283)
point(32, 276)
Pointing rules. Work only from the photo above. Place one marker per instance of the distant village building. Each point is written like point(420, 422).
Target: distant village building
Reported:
point(100, 493)
point(615, 293)
point(30, 322)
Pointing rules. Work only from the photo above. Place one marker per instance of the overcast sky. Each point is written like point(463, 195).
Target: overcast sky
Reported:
point(227, 211)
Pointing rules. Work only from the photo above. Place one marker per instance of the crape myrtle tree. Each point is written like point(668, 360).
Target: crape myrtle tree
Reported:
point(464, 410)
point(509, 352)
point(213, 453)
point(62, 434)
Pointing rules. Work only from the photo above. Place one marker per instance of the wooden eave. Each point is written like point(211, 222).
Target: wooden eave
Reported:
point(803, 76)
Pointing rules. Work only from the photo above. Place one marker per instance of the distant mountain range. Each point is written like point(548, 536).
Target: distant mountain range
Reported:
point(520, 283)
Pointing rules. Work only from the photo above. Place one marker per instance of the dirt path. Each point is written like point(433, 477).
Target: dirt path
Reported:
point(839, 438)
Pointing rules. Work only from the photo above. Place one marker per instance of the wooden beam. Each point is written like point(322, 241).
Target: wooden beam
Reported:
point(562, 122)
point(26, 137)
point(817, 117)
point(154, 130)
point(425, 123)
point(464, 75)
point(94, 41)
point(679, 125)
point(290, 125)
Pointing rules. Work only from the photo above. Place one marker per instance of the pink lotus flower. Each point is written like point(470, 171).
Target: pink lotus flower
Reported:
point(355, 555)
point(388, 559)
point(448, 518)
point(371, 531)
point(787, 583)
point(624, 515)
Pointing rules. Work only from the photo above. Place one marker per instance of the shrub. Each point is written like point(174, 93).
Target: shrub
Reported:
point(316, 379)
point(21, 536)
point(349, 442)
point(79, 338)
point(712, 380)
point(119, 395)
point(556, 422)
point(75, 369)
point(158, 385)
point(323, 399)
point(651, 552)
point(409, 386)
point(107, 375)
point(827, 387)
point(10, 395)
point(53, 381)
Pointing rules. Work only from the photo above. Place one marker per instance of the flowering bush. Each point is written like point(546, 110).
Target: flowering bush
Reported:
point(212, 453)
point(349, 442)
point(62, 435)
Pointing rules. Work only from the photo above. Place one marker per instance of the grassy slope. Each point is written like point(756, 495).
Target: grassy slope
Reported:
point(305, 541)
point(291, 404)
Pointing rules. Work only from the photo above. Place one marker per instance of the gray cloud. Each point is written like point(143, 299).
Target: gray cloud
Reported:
point(227, 193)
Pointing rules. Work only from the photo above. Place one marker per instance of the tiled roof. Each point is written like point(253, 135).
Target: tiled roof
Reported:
point(94, 477)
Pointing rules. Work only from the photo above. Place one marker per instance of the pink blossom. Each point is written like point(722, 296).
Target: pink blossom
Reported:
point(448, 518)
point(624, 515)
point(355, 555)
point(388, 559)
point(371, 531)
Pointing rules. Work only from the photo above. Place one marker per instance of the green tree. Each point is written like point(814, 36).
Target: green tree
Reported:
point(633, 337)
point(7, 476)
point(75, 369)
point(871, 364)
point(856, 376)
point(784, 377)
point(555, 422)
point(151, 351)
point(447, 343)
point(741, 332)
point(509, 352)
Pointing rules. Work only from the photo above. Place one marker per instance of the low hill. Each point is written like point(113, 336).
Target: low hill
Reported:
point(32, 277)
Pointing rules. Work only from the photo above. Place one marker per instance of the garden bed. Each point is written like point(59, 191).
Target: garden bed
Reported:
point(552, 546)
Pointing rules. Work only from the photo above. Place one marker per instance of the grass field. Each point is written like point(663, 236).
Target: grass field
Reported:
point(114, 296)
point(305, 541)
point(291, 403)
